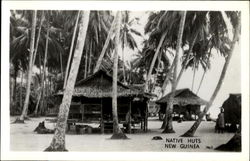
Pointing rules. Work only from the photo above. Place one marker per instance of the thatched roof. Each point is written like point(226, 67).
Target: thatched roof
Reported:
point(183, 97)
point(100, 85)
point(140, 88)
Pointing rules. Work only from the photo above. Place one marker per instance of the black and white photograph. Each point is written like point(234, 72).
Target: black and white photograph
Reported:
point(124, 80)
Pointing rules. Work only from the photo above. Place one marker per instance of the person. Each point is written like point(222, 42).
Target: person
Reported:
point(221, 121)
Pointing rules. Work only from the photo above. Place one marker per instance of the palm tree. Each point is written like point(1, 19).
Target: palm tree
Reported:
point(32, 42)
point(237, 26)
point(117, 133)
point(197, 31)
point(58, 141)
point(105, 46)
point(169, 109)
point(127, 38)
point(71, 51)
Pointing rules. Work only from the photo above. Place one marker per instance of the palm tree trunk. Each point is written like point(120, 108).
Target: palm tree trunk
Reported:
point(202, 78)
point(193, 78)
point(32, 41)
point(204, 73)
point(158, 66)
point(70, 52)
point(117, 133)
point(21, 91)
point(38, 37)
point(43, 81)
point(86, 65)
point(37, 104)
point(169, 109)
point(153, 61)
point(165, 83)
point(195, 126)
point(61, 63)
point(123, 67)
point(187, 58)
point(58, 141)
point(99, 61)
point(90, 59)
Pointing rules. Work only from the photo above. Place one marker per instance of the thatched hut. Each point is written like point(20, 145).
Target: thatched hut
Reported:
point(186, 104)
point(92, 102)
point(232, 109)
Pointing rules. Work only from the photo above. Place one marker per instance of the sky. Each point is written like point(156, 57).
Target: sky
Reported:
point(232, 81)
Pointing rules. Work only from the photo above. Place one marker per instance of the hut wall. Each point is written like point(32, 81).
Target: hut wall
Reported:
point(232, 110)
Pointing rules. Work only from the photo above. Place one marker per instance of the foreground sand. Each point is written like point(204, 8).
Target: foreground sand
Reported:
point(22, 138)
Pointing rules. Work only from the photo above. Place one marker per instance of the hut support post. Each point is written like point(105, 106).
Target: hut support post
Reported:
point(129, 120)
point(146, 118)
point(102, 124)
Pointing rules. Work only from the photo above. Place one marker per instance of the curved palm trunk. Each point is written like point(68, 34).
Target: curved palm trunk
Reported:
point(90, 60)
point(169, 109)
point(153, 61)
point(86, 65)
point(43, 82)
point(165, 83)
point(32, 41)
point(158, 66)
point(202, 78)
point(58, 141)
point(187, 58)
point(99, 61)
point(70, 52)
point(193, 129)
point(38, 38)
point(204, 73)
point(117, 133)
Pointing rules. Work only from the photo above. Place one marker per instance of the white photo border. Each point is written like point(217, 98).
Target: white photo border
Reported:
point(242, 6)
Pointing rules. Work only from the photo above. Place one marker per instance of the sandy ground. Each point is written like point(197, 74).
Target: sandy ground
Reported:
point(22, 138)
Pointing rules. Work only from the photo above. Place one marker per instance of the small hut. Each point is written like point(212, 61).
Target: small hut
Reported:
point(232, 109)
point(92, 102)
point(186, 104)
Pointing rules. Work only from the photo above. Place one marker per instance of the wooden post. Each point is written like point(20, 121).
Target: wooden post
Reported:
point(129, 120)
point(102, 124)
point(146, 118)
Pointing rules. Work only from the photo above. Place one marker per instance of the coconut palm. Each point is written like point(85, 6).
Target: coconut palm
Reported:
point(235, 18)
point(58, 141)
point(169, 109)
point(117, 133)
point(71, 51)
point(32, 41)
point(105, 46)
point(127, 38)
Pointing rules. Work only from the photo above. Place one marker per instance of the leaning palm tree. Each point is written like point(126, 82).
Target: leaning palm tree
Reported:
point(194, 127)
point(32, 42)
point(169, 109)
point(117, 133)
point(71, 51)
point(105, 46)
point(58, 141)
